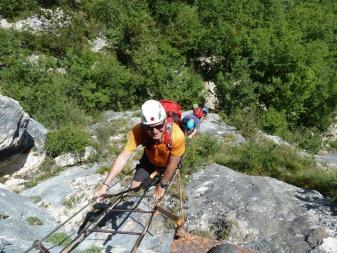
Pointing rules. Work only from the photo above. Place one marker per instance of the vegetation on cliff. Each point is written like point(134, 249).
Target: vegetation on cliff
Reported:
point(273, 59)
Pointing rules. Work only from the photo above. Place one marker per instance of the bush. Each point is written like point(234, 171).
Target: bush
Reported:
point(307, 138)
point(93, 249)
point(61, 239)
point(100, 82)
point(68, 138)
point(235, 89)
point(163, 74)
point(184, 30)
point(264, 158)
point(41, 91)
point(274, 122)
point(34, 221)
point(247, 119)
point(333, 144)
point(199, 151)
point(12, 8)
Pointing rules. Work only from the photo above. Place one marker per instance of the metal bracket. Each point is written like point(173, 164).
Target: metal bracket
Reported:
point(38, 245)
point(178, 220)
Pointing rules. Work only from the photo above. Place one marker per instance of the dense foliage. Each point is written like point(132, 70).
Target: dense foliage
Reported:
point(277, 57)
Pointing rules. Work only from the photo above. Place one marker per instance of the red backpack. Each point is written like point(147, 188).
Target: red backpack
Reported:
point(173, 113)
point(198, 112)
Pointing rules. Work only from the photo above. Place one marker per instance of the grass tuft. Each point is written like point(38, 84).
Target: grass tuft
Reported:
point(60, 239)
point(34, 221)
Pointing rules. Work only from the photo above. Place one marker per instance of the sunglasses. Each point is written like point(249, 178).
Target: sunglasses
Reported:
point(158, 127)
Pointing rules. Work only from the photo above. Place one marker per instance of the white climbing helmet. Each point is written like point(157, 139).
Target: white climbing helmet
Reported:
point(152, 112)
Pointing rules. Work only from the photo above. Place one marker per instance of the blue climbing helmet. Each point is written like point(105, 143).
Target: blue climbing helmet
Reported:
point(205, 110)
point(190, 124)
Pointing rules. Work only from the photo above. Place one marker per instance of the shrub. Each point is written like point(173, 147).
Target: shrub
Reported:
point(41, 91)
point(235, 89)
point(31, 183)
point(12, 8)
point(61, 239)
point(100, 82)
point(34, 221)
point(247, 120)
point(199, 151)
point(274, 122)
point(185, 30)
point(68, 138)
point(221, 229)
point(71, 31)
point(162, 74)
point(93, 249)
point(307, 138)
point(72, 201)
point(333, 144)
point(264, 158)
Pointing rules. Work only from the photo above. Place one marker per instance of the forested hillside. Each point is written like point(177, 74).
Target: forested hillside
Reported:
point(273, 62)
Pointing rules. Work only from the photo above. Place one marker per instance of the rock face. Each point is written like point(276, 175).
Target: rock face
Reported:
point(18, 133)
point(66, 193)
point(261, 213)
point(329, 160)
point(211, 99)
point(71, 159)
point(14, 137)
point(212, 125)
point(21, 222)
point(47, 20)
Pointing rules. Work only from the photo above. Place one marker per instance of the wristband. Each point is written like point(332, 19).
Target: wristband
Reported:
point(163, 185)
point(107, 185)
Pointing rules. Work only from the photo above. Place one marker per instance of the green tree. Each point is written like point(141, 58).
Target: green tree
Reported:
point(41, 91)
point(183, 27)
point(13, 8)
point(100, 82)
point(164, 74)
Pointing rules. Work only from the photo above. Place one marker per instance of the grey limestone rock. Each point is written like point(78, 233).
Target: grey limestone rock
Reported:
point(77, 183)
point(261, 213)
point(17, 233)
point(13, 127)
point(213, 125)
point(18, 134)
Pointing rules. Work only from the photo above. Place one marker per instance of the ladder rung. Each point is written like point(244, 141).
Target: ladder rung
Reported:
point(110, 231)
point(138, 196)
point(130, 210)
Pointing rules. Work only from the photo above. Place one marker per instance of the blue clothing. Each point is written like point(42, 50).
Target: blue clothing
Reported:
point(191, 116)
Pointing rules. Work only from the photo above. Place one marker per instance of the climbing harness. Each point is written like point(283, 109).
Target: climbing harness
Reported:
point(114, 201)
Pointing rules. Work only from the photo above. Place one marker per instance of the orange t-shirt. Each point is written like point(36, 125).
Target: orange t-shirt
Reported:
point(159, 153)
